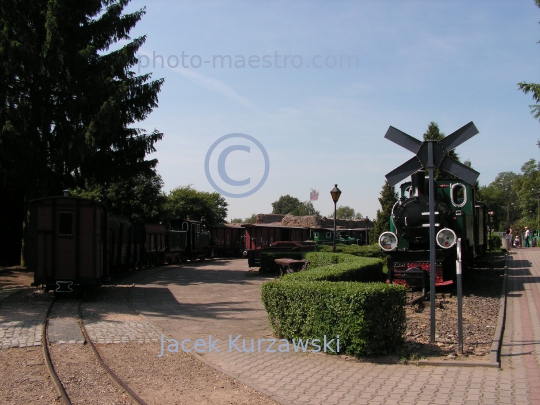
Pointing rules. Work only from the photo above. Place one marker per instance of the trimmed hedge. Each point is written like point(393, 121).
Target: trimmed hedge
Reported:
point(346, 268)
point(363, 251)
point(368, 317)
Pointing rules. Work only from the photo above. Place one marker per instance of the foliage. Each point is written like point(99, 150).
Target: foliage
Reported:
point(138, 199)
point(495, 242)
point(292, 205)
point(514, 198)
point(345, 212)
point(249, 220)
point(433, 133)
point(69, 103)
point(356, 250)
point(534, 89)
point(306, 208)
point(285, 205)
point(187, 203)
point(368, 317)
point(382, 221)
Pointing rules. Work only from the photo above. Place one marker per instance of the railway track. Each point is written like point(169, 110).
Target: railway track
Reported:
point(77, 370)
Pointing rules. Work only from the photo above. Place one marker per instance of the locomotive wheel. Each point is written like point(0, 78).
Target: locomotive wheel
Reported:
point(152, 262)
point(192, 258)
point(183, 258)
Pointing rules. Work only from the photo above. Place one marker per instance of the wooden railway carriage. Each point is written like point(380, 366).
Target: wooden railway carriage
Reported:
point(68, 242)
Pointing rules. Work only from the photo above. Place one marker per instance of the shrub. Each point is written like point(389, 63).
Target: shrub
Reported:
point(363, 251)
point(369, 318)
point(495, 242)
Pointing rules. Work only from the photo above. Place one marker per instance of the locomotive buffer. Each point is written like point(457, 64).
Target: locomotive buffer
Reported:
point(432, 155)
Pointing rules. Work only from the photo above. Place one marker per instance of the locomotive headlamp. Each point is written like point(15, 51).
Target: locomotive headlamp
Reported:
point(388, 241)
point(446, 238)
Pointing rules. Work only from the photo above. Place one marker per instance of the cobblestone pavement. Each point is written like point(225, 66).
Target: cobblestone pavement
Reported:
point(21, 318)
point(217, 299)
point(140, 331)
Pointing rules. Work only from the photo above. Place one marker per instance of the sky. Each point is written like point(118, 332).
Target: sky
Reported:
point(312, 87)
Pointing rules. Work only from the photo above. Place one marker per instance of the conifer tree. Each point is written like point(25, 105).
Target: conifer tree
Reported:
point(434, 133)
point(69, 103)
point(382, 221)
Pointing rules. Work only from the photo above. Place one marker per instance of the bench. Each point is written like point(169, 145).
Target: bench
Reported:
point(291, 265)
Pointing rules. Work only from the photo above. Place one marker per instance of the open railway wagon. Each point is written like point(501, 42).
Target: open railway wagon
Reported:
point(228, 239)
point(269, 238)
point(67, 242)
point(457, 215)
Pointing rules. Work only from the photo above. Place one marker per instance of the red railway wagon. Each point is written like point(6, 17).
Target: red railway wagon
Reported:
point(228, 239)
point(67, 242)
point(259, 236)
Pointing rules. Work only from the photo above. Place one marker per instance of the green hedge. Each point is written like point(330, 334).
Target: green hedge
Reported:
point(368, 317)
point(339, 267)
point(327, 300)
point(268, 266)
point(363, 251)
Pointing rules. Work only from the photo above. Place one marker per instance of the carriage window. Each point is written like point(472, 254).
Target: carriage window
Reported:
point(328, 234)
point(198, 228)
point(185, 226)
point(458, 195)
point(316, 234)
point(65, 223)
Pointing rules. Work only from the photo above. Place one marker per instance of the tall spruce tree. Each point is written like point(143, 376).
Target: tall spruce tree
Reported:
point(433, 133)
point(388, 198)
point(68, 103)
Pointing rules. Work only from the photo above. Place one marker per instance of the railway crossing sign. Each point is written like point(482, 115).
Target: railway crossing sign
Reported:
point(440, 159)
point(431, 155)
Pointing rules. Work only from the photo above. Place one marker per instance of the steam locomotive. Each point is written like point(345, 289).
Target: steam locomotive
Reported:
point(457, 215)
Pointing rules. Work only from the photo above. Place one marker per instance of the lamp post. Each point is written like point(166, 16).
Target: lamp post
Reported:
point(335, 193)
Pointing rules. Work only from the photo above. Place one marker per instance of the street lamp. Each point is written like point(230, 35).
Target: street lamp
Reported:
point(335, 193)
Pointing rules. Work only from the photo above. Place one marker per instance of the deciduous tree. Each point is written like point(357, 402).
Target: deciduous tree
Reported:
point(187, 203)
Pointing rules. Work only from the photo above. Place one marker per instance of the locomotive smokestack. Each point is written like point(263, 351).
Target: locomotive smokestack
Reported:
point(418, 183)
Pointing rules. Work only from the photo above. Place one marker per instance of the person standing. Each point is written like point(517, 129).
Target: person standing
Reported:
point(527, 237)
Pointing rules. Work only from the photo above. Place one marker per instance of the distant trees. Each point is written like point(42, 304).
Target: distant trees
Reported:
point(287, 204)
point(187, 203)
point(346, 212)
point(249, 220)
point(514, 198)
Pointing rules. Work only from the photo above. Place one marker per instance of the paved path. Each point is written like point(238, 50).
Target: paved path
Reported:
point(520, 356)
point(217, 299)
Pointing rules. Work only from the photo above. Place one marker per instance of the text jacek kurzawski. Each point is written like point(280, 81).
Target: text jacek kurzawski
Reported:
point(243, 345)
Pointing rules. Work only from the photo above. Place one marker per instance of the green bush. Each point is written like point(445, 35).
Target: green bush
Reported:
point(328, 300)
point(495, 242)
point(363, 251)
point(268, 266)
point(369, 318)
point(339, 267)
